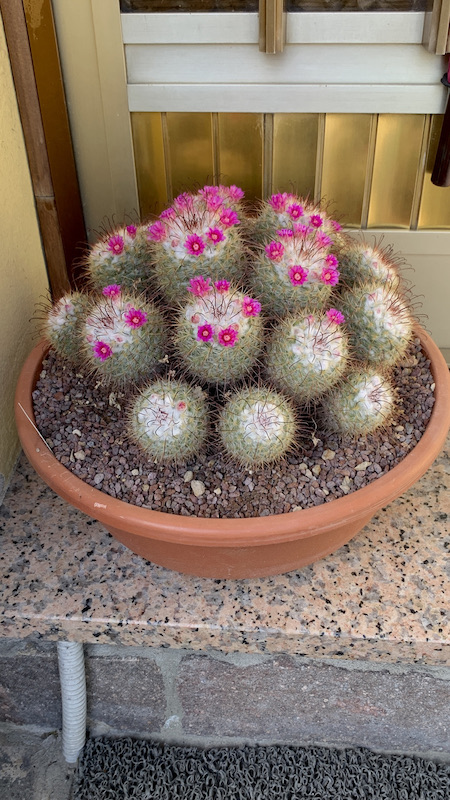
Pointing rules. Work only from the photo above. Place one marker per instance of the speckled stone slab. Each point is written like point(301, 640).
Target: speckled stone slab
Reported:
point(384, 596)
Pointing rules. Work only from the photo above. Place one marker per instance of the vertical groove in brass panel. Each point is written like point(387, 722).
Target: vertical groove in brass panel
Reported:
point(369, 170)
point(149, 160)
point(166, 149)
point(294, 153)
point(215, 147)
point(268, 155)
point(345, 154)
point(435, 201)
point(399, 141)
point(241, 151)
point(191, 149)
point(319, 157)
point(420, 175)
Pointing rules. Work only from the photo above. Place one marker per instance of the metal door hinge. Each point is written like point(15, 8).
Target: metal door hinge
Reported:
point(436, 31)
point(272, 26)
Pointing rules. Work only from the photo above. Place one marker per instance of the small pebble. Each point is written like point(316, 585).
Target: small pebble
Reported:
point(328, 455)
point(198, 488)
point(363, 465)
point(187, 477)
point(80, 455)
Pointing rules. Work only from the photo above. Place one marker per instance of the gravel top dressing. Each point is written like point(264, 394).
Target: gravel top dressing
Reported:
point(85, 428)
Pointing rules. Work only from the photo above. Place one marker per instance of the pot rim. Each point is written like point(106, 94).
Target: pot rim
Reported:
point(233, 531)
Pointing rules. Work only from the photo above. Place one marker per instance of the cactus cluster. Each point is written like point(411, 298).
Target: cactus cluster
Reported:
point(298, 320)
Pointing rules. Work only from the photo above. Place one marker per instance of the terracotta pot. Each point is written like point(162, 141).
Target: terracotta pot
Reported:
point(235, 548)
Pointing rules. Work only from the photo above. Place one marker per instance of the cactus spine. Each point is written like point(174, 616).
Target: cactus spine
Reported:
point(122, 257)
point(362, 404)
point(360, 264)
point(64, 322)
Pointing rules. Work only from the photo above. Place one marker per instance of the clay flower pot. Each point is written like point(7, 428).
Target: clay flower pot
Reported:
point(235, 548)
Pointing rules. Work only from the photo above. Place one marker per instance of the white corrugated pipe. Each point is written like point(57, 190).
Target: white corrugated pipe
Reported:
point(73, 695)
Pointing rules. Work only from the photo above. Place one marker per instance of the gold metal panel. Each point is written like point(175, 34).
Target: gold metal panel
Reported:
point(190, 145)
point(149, 159)
point(435, 204)
point(241, 152)
point(397, 160)
point(294, 153)
point(346, 149)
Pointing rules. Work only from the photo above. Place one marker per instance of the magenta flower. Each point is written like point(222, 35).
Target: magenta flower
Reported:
point(205, 332)
point(229, 218)
point(295, 211)
point(183, 201)
point(331, 260)
point(227, 337)
point(222, 286)
point(135, 318)
point(298, 275)
point(278, 201)
point(168, 213)
point(199, 286)
point(213, 202)
point(233, 192)
point(336, 225)
point(330, 276)
point(275, 251)
point(102, 351)
point(113, 290)
point(302, 230)
point(322, 239)
point(335, 316)
point(194, 245)
point(286, 232)
point(250, 307)
point(131, 230)
point(215, 235)
point(316, 220)
point(181, 405)
point(157, 232)
point(116, 245)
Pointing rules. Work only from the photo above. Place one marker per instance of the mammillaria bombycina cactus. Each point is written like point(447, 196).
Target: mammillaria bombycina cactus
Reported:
point(380, 323)
point(123, 337)
point(257, 426)
point(295, 270)
point(284, 210)
point(121, 257)
point(363, 403)
point(361, 263)
point(63, 324)
point(198, 234)
point(219, 332)
point(169, 420)
point(308, 354)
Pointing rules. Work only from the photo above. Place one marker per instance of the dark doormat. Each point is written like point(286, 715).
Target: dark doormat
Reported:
point(125, 768)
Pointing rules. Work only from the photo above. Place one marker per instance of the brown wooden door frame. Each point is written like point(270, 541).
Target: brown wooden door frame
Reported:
point(33, 52)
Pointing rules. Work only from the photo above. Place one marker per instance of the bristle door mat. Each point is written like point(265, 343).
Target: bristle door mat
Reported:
point(125, 768)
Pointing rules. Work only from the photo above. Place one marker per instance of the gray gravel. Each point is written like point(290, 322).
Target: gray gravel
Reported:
point(85, 430)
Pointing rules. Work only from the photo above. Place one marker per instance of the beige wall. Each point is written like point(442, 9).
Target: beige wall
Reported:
point(23, 277)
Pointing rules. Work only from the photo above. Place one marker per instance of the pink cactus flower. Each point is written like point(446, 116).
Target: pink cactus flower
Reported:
point(335, 316)
point(113, 290)
point(302, 230)
point(330, 276)
point(213, 202)
point(215, 235)
point(116, 245)
point(135, 318)
point(287, 233)
point(181, 405)
point(205, 332)
point(278, 201)
point(250, 307)
point(227, 337)
point(322, 239)
point(228, 218)
point(222, 286)
point(157, 232)
point(131, 230)
point(102, 350)
point(168, 213)
point(295, 211)
point(316, 220)
point(331, 260)
point(298, 275)
point(275, 251)
point(233, 192)
point(183, 201)
point(194, 245)
point(199, 286)
point(335, 225)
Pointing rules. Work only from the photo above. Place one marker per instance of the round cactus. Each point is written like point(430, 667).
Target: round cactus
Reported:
point(197, 234)
point(285, 210)
point(308, 354)
point(123, 337)
point(121, 257)
point(169, 420)
point(359, 264)
point(257, 426)
point(63, 324)
point(219, 333)
point(362, 404)
point(296, 270)
point(379, 321)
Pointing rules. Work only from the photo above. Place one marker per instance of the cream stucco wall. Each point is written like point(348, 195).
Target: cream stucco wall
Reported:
point(23, 277)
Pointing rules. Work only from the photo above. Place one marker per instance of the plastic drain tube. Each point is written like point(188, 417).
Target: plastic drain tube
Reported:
point(73, 695)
